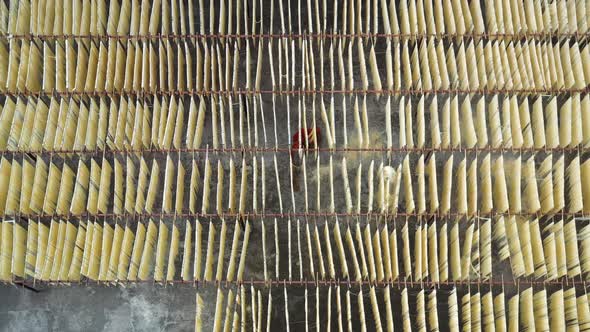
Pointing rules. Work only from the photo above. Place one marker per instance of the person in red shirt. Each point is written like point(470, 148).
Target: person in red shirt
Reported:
point(301, 142)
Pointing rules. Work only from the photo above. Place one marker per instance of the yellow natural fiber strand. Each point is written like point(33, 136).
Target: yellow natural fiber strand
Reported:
point(538, 124)
point(38, 131)
point(195, 183)
point(432, 183)
point(340, 248)
point(161, 251)
point(221, 252)
point(244, 252)
point(56, 264)
point(487, 313)
point(421, 185)
point(231, 299)
point(435, 134)
point(112, 262)
point(406, 251)
point(52, 190)
point(105, 253)
point(467, 248)
point(328, 250)
point(480, 123)
point(516, 255)
point(577, 124)
point(560, 248)
point(118, 195)
point(420, 123)
point(14, 189)
point(130, 184)
point(168, 184)
point(347, 195)
point(513, 313)
point(585, 175)
point(525, 123)
point(574, 186)
point(541, 316)
point(95, 251)
point(513, 118)
point(472, 192)
point(6, 250)
point(559, 184)
point(402, 123)
point(405, 311)
point(527, 314)
point(198, 257)
point(105, 186)
point(455, 125)
point(420, 311)
point(500, 312)
point(408, 190)
point(6, 119)
point(531, 194)
point(514, 185)
point(546, 184)
point(453, 310)
point(352, 249)
point(17, 125)
point(31, 249)
point(443, 254)
point(180, 183)
point(571, 249)
point(565, 123)
point(374, 69)
point(467, 125)
point(94, 187)
point(455, 253)
point(476, 312)
point(486, 249)
point(486, 185)
point(494, 123)
point(585, 115)
point(557, 320)
point(500, 192)
point(393, 255)
point(208, 276)
point(409, 124)
point(388, 308)
point(537, 249)
point(375, 309)
point(385, 251)
point(19, 245)
point(571, 308)
point(475, 253)
point(187, 253)
point(551, 129)
point(418, 253)
point(466, 312)
point(82, 255)
point(461, 192)
point(153, 187)
point(125, 254)
point(550, 251)
point(433, 253)
point(147, 255)
point(447, 186)
point(583, 312)
point(28, 122)
point(243, 187)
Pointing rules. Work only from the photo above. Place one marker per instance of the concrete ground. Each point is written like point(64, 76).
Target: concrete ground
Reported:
point(97, 308)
